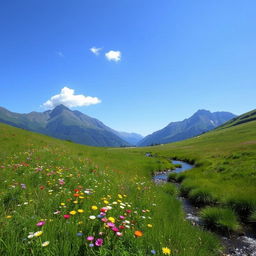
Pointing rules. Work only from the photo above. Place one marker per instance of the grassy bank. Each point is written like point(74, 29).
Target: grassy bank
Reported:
point(59, 198)
point(225, 172)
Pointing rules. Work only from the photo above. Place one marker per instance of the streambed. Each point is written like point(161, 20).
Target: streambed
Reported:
point(244, 245)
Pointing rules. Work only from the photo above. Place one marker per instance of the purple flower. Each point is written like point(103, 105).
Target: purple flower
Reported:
point(40, 223)
point(153, 251)
point(79, 234)
point(91, 245)
point(99, 242)
point(90, 238)
point(23, 186)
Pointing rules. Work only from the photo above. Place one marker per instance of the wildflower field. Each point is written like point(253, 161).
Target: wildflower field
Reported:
point(59, 198)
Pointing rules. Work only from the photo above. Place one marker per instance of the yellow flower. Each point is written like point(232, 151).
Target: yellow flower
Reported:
point(120, 196)
point(8, 217)
point(46, 243)
point(166, 251)
point(73, 212)
point(38, 233)
point(106, 202)
point(62, 204)
point(111, 219)
point(81, 197)
point(75, 202)
point(80, 222)
point(119, 201)
point(80, 210)
point(94, 207)
point(150, 225)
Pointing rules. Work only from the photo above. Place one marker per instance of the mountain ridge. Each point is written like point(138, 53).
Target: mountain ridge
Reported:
point(200, 122)
point(63, 123)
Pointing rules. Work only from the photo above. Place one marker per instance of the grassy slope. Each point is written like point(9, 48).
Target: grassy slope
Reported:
point(118, 178)
point(226, 167)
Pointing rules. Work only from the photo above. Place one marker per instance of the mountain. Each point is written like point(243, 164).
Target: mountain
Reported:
point(202, 121)
point(132, 138)
point(65, 124)
point(245, 118)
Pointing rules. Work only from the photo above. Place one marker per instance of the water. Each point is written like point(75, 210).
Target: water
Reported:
point(235, 245)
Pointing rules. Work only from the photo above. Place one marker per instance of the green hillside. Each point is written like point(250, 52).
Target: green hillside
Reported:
point(52, 193)
point(225, 172)
point(60, 188)
point(247, 117)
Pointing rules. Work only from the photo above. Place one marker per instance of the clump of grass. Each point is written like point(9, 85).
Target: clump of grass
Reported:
point(253, 217)
point(242, 206)
point(223, 219)
point(201, 196)
point(172, 176)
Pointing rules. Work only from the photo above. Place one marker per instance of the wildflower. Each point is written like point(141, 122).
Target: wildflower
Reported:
point(99, 242)
point(80, 210)
point(111, 219)
point(75, 202)
point(73, 212)
point(66, 216)
point(40, 223)
point(8, 217)
point(94, 207)
point(166, 251)
point(122, 217)
point(79, 234)
point(76, 195)
point(23, 186)
point(61, 182)
point(150, 225)
point(38, 233)
point(106, 202)
point(110, 224)
point(120, 196)
point(90, 238)
point(46, 243)
point(153, 251)
point(91, 244)
point(119, 233)
point(92, 217)
point(62, 204)
point(138, 233)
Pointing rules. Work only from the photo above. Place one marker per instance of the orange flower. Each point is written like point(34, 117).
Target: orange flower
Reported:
point(138, 233)
point(76, 195)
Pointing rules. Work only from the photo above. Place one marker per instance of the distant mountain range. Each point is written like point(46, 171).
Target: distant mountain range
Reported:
point(63, 123)
point(202, 121)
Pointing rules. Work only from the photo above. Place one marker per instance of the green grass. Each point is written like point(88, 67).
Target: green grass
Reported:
point(33, 168)
point(225, 167)
point(220, 218)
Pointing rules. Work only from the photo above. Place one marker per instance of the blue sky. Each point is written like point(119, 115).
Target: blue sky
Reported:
point(176, 57)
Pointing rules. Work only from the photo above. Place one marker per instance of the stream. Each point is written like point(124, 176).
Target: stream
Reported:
point(235, 245)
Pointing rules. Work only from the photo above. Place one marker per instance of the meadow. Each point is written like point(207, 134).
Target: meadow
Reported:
point(60, 198)
point(224, 176)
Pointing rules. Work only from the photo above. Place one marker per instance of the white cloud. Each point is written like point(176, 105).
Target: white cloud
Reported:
point(60, 54)
point(95, 50)
point(113, 55)
point(69, 99)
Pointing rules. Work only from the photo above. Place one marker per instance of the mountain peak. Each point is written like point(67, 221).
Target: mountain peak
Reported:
point(58, 110)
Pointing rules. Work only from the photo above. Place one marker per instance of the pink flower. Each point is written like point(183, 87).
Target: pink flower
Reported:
point(119, 234)
point(115, 229)
point(110, 224)
point(61, 182)
point(104, 219)
point(40, 223)
point(122, 217)
point(66, 216)
point(99, 242)
point(90, 238)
